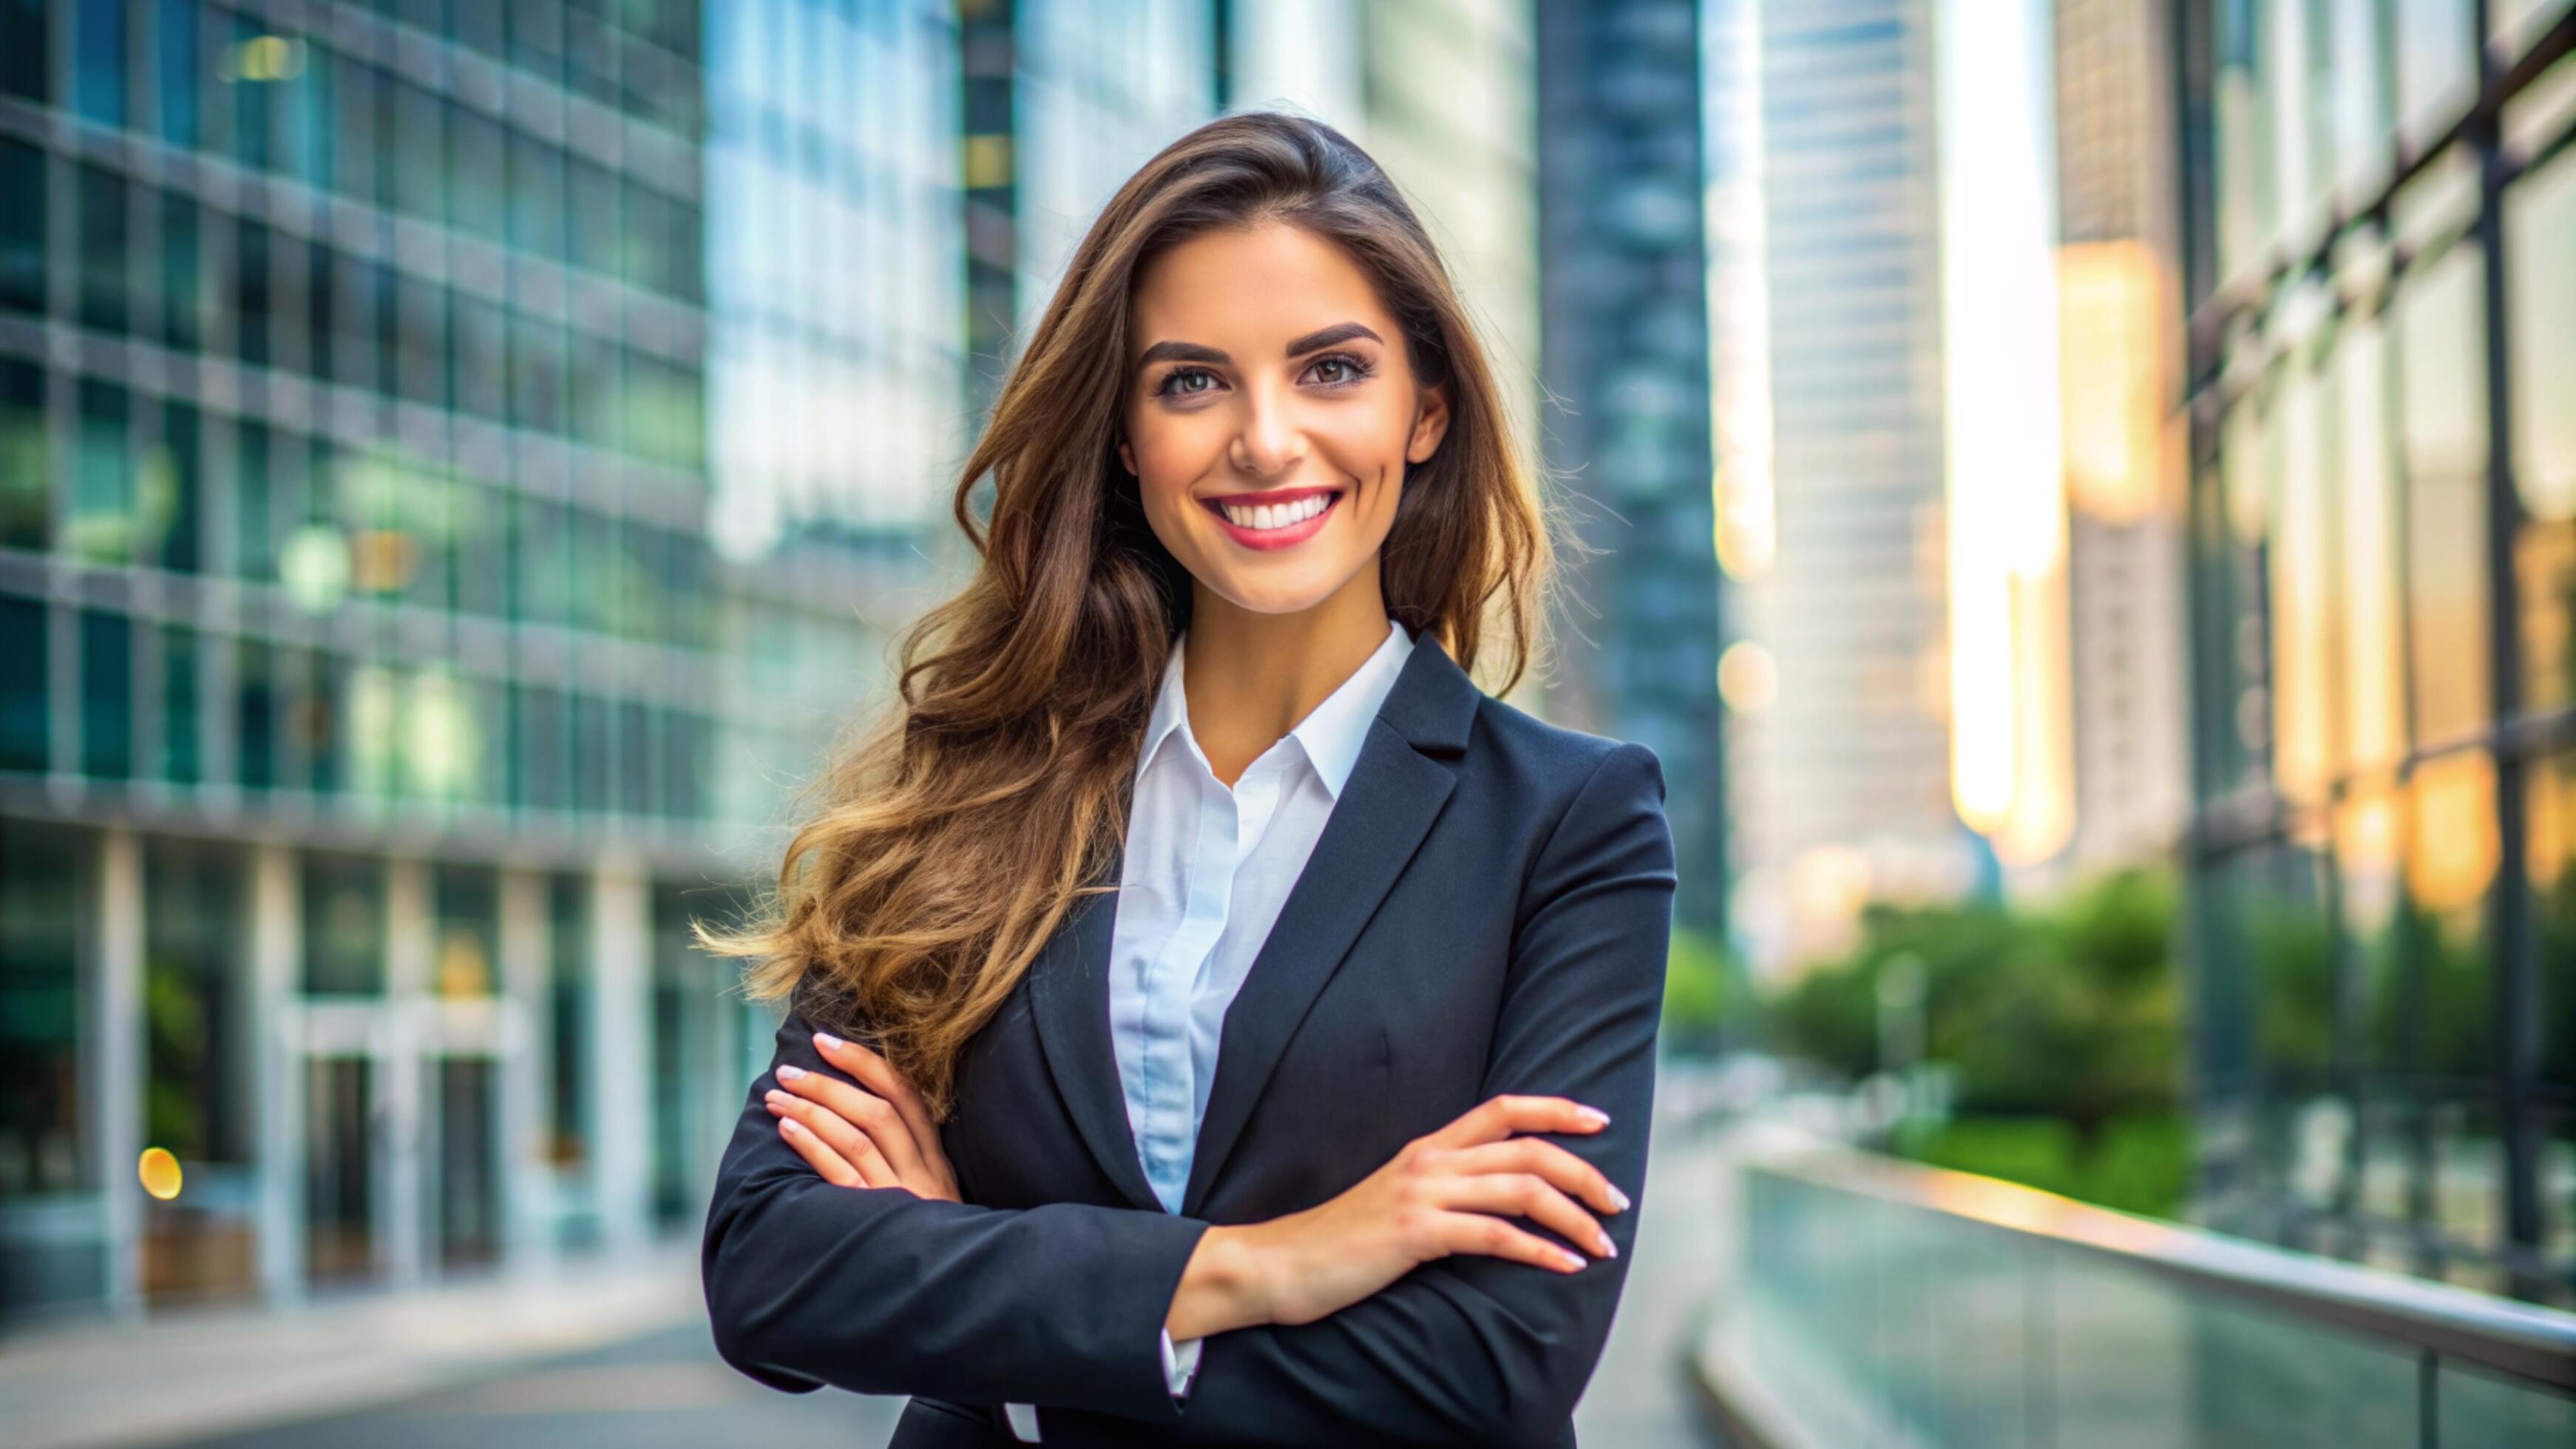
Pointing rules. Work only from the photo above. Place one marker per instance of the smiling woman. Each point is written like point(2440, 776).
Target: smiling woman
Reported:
point(1316, 1130)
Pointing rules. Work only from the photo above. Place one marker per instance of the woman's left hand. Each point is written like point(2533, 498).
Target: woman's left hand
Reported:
point(876, 1134)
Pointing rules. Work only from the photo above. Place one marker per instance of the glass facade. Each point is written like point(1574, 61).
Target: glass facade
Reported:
point(371, 673)
point(2380, 205)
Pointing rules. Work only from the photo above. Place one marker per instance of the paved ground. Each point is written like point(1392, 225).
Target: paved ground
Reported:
point(665, 1391)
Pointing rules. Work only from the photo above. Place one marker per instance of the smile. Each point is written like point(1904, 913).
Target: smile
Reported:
point(1275, 520)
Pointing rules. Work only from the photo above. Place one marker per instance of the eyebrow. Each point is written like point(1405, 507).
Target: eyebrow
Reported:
point(1311, 342)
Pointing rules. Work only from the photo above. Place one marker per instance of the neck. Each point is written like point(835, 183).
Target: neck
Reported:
point(1251, 677)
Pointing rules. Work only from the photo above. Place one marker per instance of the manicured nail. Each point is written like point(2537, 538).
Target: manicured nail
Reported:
point(775, 1099)
point(791, 1126)
point(1618, 1197)
point(1609, 1247)
point(1593, 1115)
point(828, 1042)
point(1572, 1258)
point(789, 1074)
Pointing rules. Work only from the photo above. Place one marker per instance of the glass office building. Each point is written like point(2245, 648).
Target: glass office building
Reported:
point(2381, 269)
point(374, 710)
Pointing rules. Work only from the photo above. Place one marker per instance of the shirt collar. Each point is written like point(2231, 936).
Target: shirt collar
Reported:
point(1331, 734)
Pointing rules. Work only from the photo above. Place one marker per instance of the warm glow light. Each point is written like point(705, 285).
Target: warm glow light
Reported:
point(2111, 301)
point(263, 58)
point(2005, 476)
point(159, 1172)
point(1748, 679)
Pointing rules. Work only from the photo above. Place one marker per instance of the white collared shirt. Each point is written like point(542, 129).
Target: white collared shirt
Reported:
point(1207, 869)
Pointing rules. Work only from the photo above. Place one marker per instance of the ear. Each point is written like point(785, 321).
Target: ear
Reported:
point(1127, 457)
point(1430, 423)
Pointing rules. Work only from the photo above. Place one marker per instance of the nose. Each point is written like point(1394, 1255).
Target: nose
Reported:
point(1268, 443)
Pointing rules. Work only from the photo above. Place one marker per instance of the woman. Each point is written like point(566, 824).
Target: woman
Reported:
point(1294, 1134)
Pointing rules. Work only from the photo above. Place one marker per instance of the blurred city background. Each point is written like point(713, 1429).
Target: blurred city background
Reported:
point(2087, 500)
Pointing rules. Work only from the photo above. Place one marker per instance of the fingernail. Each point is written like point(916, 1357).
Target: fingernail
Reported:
point(1619, 1197)
point(790, 1126)
point(775, 1099)
point(789, 1074)
point(1608, 1246)
point(828, 1042)
point(1573, 1259)
point(1593, 1115)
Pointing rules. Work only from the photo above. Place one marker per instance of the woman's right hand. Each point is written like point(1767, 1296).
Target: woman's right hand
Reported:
point(1438, 1196)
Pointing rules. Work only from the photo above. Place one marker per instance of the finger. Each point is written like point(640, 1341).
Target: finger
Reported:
point(849, 1143)
point(1499, 1117)
point(1493, 1237)
point(872, 1071)
point(835, 1169)
point(1528, 1195)
point(1557, 1164)
point(864, 1110)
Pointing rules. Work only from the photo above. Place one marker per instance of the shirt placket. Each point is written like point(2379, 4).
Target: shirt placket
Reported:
point(1167, 1067)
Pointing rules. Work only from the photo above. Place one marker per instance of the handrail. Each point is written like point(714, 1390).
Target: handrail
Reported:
point(2521, 1339)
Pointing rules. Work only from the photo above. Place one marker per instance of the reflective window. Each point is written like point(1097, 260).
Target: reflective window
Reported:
point(101, 525)
point(2441, 411)
point(187, 292)
point(98, 60)
point(2540, 217)
point(42, 1087)
point(106, 270)
point(181, 762)
point(26, 462)
point(344, 925)
point(257, 709)
point(24, 48)
point(22, 227)
point(180, 67)
point(107, 694)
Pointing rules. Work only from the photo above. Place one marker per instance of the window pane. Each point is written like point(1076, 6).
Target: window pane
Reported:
point(2539, 217)
point(23, 49)
point(2441, 411)
point(26, 466)
point(105, 268)
point(187, 297)
point(22, 227)
point(98, 61)
point(180, 760)
point(181, 67)
point(344, 925)
point(41, 874)
point(107, 695)
point(25, 693)
point(101, 526)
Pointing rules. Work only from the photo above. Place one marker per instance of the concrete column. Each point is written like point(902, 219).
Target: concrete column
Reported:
point(277, 1065)
point(115, 1048)
point(526, 1065)
point(402, 1139)
point(621, 1056)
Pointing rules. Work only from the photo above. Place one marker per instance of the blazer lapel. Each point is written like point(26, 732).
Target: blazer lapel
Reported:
point(1069, 999)
point(1396, 790)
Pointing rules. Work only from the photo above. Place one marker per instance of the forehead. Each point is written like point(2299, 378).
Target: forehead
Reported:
point(1263, 285)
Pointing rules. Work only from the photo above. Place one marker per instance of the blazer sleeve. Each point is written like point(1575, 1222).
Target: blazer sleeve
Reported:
point(879, 1291)
point(1474, 1348)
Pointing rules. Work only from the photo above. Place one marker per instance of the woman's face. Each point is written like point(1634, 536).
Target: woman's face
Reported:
point(1270, 412)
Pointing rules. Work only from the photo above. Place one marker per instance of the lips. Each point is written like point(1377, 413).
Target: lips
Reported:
point(1269, 539)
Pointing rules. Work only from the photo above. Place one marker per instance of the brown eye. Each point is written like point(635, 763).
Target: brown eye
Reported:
point(1167, 389)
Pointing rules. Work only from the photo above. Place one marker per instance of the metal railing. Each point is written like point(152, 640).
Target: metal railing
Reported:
point(1881, 1302)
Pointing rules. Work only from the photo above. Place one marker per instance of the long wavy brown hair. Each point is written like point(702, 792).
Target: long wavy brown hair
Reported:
point(993, 789)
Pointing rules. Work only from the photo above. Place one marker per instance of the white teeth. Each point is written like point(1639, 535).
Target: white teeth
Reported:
point(1283, 515)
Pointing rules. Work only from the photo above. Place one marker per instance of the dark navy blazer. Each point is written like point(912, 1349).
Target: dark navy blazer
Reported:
point(1487, 911)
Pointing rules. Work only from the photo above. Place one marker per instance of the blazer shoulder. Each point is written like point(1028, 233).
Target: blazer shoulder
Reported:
point(1560, 760)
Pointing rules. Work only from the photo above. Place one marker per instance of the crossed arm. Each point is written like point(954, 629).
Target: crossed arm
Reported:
point(877, 1290)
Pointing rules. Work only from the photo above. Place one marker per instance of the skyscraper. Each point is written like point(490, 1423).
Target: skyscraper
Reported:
point(1625, 345)
point(1843, 762)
